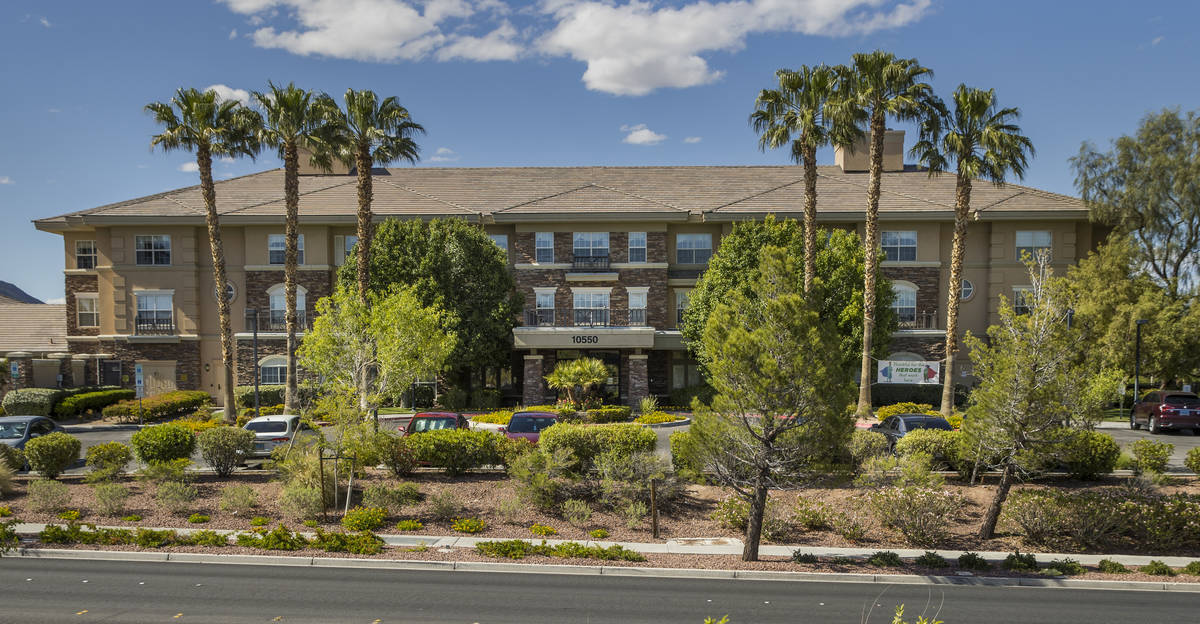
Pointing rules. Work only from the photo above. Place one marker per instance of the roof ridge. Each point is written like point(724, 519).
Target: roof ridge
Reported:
point(428, 196)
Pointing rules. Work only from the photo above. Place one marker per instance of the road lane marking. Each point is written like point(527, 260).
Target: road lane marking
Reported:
point(81, 612)
point(177, 616)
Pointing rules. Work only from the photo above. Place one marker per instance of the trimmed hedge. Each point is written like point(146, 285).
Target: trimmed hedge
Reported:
point(586, 442)
point(609, 414)
point(906, 408)
point(160, 406)
point(32, 401)
point(457, 450)
point(90, 401)
point(941, 446)
point(267, 395)
point(495, 418)
point(889, 393)
point(163, 443)
point(51, 454)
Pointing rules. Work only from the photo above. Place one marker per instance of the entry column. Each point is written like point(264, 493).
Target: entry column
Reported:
point(533, 392)
point(639, 378)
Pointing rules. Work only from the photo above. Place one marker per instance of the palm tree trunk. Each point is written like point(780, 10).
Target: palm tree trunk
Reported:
point(209, 192)
point(871, 257)
point(962, 207)
point(291, 235)
point(363, 164)
point(810, 215)
point(988, 530)
point(754, 523)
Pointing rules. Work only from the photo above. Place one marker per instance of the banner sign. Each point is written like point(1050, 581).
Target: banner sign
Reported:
point(899, 372)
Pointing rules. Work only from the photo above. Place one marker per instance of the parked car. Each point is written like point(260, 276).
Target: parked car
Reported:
point(529, 425)
point(272, 431)
point(896, 427)
point(433, 421)
point(1163, 410)
point(15, 431)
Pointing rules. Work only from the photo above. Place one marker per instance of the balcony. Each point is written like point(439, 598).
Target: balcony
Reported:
point(918, 320)
point(587, 317)
point(541, 317)
point(277, 322)
point(151, 325)
point(590, 264)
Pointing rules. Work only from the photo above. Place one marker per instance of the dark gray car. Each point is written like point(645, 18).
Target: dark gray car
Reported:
point(15, 431)
point(895, 427)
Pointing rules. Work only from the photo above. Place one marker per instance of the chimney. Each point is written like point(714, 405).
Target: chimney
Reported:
point(306, 168)
point(860, 158)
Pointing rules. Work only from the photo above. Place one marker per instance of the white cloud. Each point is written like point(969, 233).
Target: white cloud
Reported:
point(229, 93)
point(189, 167)
point(57, 301)
point(6, 180)
point(233, 34)
point(45, 22)
point(693, 139)
point(1157, 40)
point(498, 45)
point(641, 135)
point(444, 154)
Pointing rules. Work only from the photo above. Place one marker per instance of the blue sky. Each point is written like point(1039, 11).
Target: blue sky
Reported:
point(553, 82)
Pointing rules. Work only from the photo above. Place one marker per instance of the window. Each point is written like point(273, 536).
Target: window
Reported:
point(905, 303)
point(85, 254)
point(273, 370)
point(544, 244)
point(681, 304)
point(591, 307)
point(87, 310)
point(591, 244)
point(1032, 241)
point(351, 241)
point(637, 246)
point(685, 372)
point(899, 246)
point(543, 307)
point(1022, 299)
point(277, 249)
point(693, 248)
point(152, 250)
point(278, 318)
point(154, 311)
point(968, 290)
point(501, 241)
point(637, 305)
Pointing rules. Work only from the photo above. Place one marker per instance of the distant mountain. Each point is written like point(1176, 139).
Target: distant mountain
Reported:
point(10, 293)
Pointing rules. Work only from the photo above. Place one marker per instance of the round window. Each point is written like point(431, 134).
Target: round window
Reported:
point(968, 289)
point(230, 291)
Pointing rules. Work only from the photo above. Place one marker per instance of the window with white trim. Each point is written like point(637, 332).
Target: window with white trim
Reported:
point(1022, 300)
point(1032, 242)
point(277, 249)
point(272, 370)
point(693, 248)
point(543, 247)
point(637, 247)
point(543, 301)
point(681, 304)
point(904, 304)
point(351, 241)
point(85, 254)
point(278, 301)
point(591, 306)
point(899, 246)
point(87, 310)
point(638, 296)
point(152, 250)
point(590, 244)
point(155, 310)
point(501, 241)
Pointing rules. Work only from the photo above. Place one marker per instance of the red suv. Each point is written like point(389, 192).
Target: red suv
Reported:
point(433, 421)
point(1166, 409)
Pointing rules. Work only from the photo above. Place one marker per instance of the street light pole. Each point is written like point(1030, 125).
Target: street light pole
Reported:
point(1137, 360)
point(252, 320)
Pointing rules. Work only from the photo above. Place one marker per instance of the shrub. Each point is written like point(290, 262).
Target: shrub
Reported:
point(684, 396)
point(468, 525)
point(1040, 514)
point(609, 414)
point(177, 498)
point(47, 495)
point(51, 454)
point(32, 401)
point(1192, 569)
point(268, 394)
point(932, 560)
point(397, 454)
point(361, 543)
point(132, 518)
point(586, 442)
point(885, 559)
point(495, 418)
point(110, 498)
point(906, 407)
point(5, 511)
point(6, 479)
point(300, 501)
point(922, 515)
point(225, 447)
point(163, 443)
point(259, 521)
point(163, 406)
point(848, 527)
point(598, 533)
point(914, 469)
point(409, 525)
point(685, 456)
point(70, 515)
point(1018, 562)
point(12, 457)
point(509, 510)
point(628, 477)
point(1192, 461)
point(160, 472)
point(865, 444)
point(390, 499)
point(576, 511)
point(811, 515)
point(799, 556)
point(364, 518)
point(1067, 566)
point(279, 538)
point(1151, 456)
point(1088, 454)
point(634, 513)
point(457, 450)
point(942, 446)
point(654, 418)
point(1157, 568)
point(734, 513)
point(648, 404)
point(519, 549)
point(108, 460)
point(511, 450)
point(1108, 566)
point(198, 518)
point(208, 537)
point(973, 561)
point(445, 505)
point(454, 399)
point(543, 530)
point(238, 499)
point(83, 403)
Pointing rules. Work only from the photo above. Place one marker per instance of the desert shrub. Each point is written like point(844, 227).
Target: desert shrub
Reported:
point(495, 418)
point(279, 538)
point(312, 524)
point(302, 466)
point(360, 543)
point(392, 499)
point(1192, 461)
point(177, 498)
point(409, 525)
point(865, 444)
point(511, 450)
point(848, 527)
point(160, 472)
point(207, 537)
point(734, 513)
point(1088, 454)
point(598, 534)
point(5, 511)
point(224, 448)
point(238, 500)
point(1018, 562)
point(625, 478)
point(110, 498)
point(542, 479)
point(634, 514)
point(1040, 515)
point(107, 460)
point(85, 402)
point(445, 505)
point(468, 525)
point(906, 407)
point(47, 495)
point(913, 469)
point(609, 414)
point(509, 510)
point(11, 457)
point(457, 450)
point(811, 515)
point(576, 511)
point(6, 479)
point(922, 515)
point(942, 446)
point(163, 406)
point(259, 521)
point(519, 549)
point(587, 442)
point(199, 518)
point(685, 455)
point(654, 418)
point(70, 515)
point(799, 556)
point(973, 561)
point(1067, 566)
point(932, 560)
point(885, 559)
point(51, 454)
point(1108, 566)
point(300, 501)
point(32, 401)
point(1192, 569)
point(398, 456)
point(163, 443)
point(1157, 568)
point(1151, 456)
point(1161, 523)
point(131, 518)
point(364, 518)
point(543, 530)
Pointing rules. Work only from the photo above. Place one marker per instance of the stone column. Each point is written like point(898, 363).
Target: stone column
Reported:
point(533, 392)
point(639, 378)
point(24, 378)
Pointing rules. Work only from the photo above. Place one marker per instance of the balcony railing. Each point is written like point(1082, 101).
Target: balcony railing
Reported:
point(586, 317)
point(592, 317)
point(920, 320)
point(150, 325)
point(539, 318)
point(590, 264)
point(277, 321)
point(637, 317)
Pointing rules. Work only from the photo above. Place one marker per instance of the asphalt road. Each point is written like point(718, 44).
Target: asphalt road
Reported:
point(55, 591)
point(1184, 441)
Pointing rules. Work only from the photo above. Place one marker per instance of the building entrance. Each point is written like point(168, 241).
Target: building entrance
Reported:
point(611, 391)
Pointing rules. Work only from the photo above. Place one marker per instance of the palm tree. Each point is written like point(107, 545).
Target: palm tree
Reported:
point(877, 85)
point(373, 133)
point(979, 141)
point(295, 119)
point(584, 373)
point(200, 122)
point(799, 107)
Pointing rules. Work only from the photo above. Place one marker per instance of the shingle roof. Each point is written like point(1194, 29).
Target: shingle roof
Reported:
point(35, 327)
point(541, 192)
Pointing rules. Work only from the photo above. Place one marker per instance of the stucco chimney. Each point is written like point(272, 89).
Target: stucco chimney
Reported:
point(307, 169)
point(860, 158)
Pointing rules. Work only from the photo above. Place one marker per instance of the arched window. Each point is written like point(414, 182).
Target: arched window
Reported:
point(272, 370)
point(905, 356)
point(278, 317)
point(905, 303)
point(968, 290)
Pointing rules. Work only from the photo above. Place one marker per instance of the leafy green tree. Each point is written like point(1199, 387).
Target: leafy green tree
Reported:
point(1146, 187)
point(799, 108)
point(782, 390)
point(201, 122)
point(375, 350)
point(876, 86)
point(453, 265)
point(583, 373)
point(372, 132)
point(837, 287)
point(295, 119)
point(977, 140)
point(1030, 385)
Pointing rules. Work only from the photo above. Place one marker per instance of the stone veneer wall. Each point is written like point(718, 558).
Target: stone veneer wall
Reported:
point(79, 284)
point(318, 284)
point(524, 252)
point(931, 348)
point(927, 281)
point(657, 308)
point(185, 353)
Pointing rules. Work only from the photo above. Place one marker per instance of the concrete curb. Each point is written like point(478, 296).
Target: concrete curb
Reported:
point(534, 568)
point(668, 425)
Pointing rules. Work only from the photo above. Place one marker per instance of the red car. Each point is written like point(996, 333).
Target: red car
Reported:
point(433, 421)
point(529, 425)
point(1166, 409)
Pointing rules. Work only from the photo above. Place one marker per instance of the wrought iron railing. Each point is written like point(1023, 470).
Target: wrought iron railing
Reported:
point(585, 317)
point(920, 320)
point(277, 321)
point(541, 317)
point(590, 264)
point(152, 325)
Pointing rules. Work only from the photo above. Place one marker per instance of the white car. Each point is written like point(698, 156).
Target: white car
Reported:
point(273, 431)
